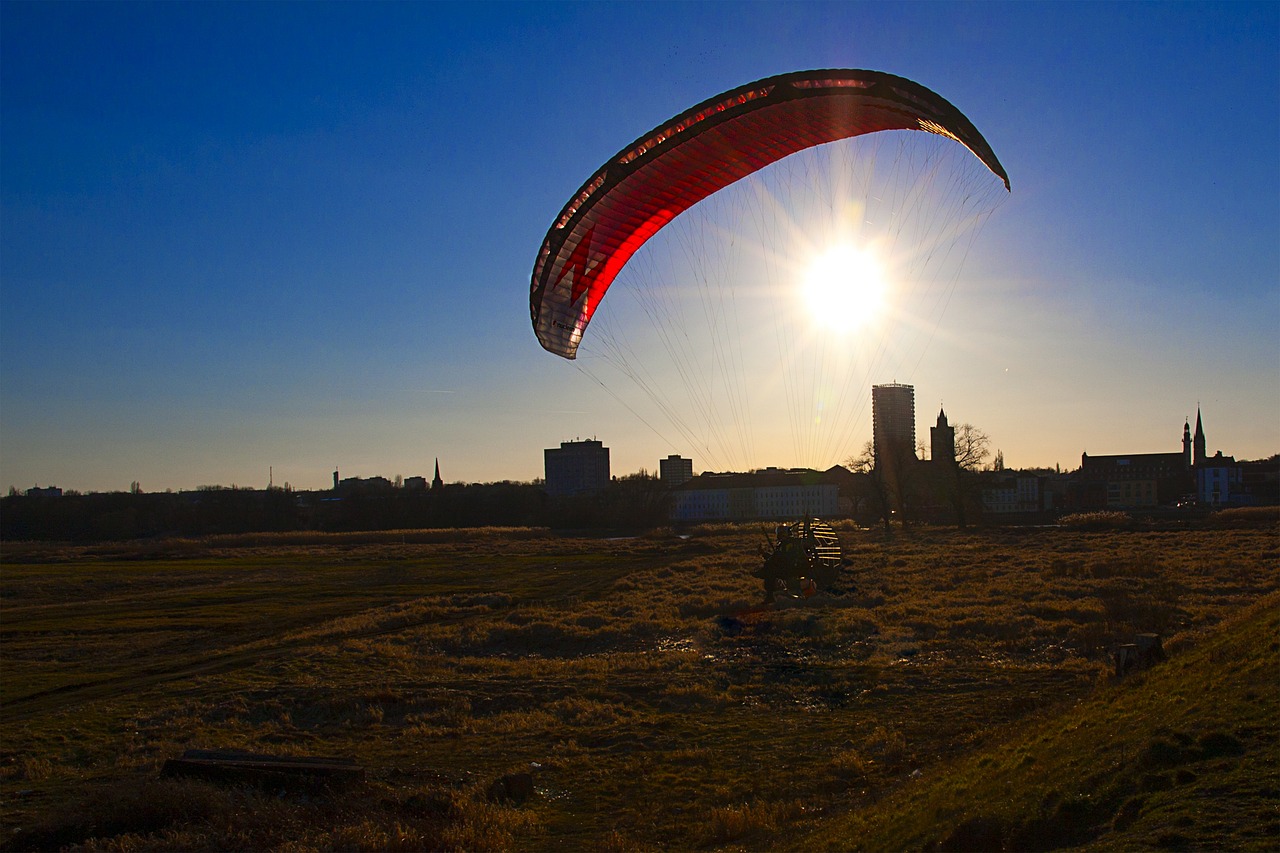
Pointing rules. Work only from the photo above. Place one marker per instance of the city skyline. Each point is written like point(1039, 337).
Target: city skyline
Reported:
point(919, 449)
point(283, 237)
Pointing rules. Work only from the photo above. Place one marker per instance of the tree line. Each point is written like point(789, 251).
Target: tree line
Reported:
point(632, 502)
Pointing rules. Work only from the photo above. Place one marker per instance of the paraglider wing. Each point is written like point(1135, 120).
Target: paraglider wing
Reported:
point(674, 166)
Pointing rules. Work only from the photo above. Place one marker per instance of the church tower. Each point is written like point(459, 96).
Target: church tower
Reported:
point(436, 482)
point(1200, 454)
point(1186, 444)
point(942, 441)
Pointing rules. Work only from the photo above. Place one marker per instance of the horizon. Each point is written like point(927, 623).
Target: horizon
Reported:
point(299, 238)
point(986, 466)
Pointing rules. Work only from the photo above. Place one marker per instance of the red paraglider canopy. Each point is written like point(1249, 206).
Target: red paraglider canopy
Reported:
point(682, 161)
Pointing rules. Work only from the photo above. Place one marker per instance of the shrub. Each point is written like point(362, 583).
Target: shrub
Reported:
point(851, 766)
point(1245, 518)
point(735, 822)
point(1109, 520)
point(888, 746)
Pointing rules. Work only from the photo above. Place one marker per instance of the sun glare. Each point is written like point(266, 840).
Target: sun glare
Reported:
point(844, 288)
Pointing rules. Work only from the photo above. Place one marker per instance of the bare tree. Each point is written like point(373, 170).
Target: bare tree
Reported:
point(882, 495)
point(973, 446)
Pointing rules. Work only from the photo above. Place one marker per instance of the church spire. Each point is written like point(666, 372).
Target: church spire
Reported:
point(436, 482)
point(1200, 454)
point(942, 441)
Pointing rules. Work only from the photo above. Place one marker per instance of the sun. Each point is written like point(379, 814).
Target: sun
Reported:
point(844, 288)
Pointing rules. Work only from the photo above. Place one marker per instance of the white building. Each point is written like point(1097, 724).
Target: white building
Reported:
point(1015, 494)
point(772, 494)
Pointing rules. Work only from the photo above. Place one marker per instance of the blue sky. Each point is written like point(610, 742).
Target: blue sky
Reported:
point(299, 236)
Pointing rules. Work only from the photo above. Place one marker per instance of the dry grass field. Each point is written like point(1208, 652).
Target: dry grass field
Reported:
point(612, 671)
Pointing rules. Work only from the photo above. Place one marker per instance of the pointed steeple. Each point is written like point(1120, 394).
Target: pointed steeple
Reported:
point(1198, 444)
point(942, 441)
point(436, 482)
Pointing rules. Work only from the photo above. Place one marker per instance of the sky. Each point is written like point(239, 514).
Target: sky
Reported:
point(242, 242)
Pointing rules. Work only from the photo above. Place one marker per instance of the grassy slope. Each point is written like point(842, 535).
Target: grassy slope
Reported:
point(1184, 756)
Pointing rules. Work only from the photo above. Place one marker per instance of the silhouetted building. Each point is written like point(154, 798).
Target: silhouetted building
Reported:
point(1261, 480)
point(415, 484)
point(364, 485)
point(576, 467)
point(675, 470)
point(1160, 479)
point(942, 441)
point(1132, 481)
point(1199, 443)
point(46, 492)
point(436, 482)
point(893, 421)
